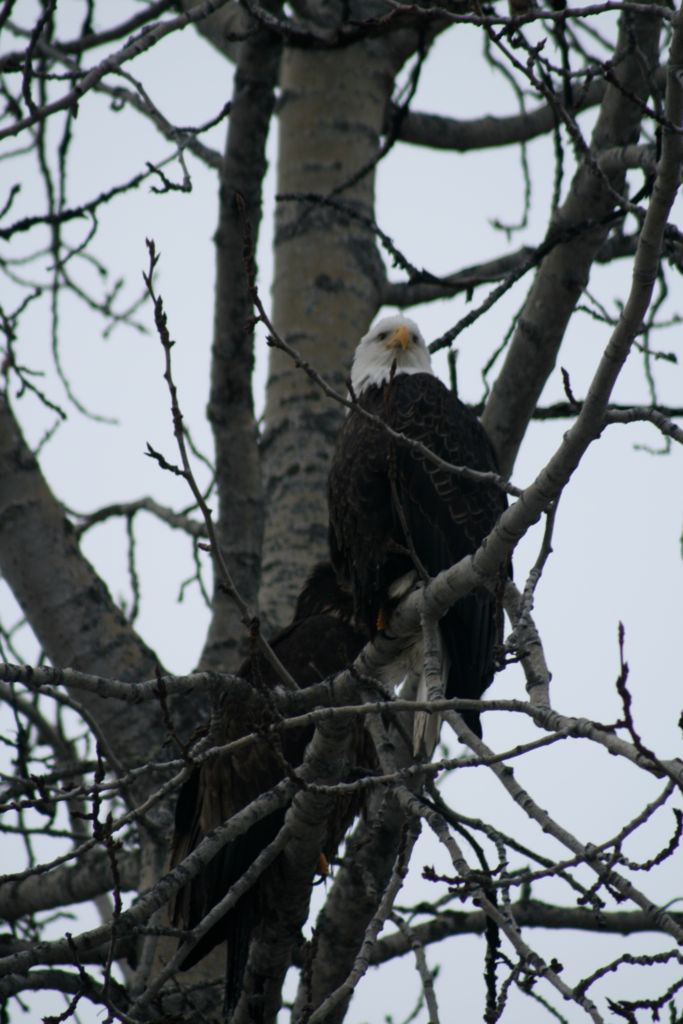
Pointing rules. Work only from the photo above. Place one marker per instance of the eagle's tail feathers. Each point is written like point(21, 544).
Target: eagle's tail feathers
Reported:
point(239, 935)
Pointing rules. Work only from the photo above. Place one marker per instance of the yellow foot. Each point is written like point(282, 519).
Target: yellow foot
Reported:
point(323, 865)
point(381, 620)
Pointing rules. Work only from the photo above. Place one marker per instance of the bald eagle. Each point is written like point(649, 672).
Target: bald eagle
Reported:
point(396, 516)
point(321, 641)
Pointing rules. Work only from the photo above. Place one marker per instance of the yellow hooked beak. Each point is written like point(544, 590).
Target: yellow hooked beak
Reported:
point(400, 338)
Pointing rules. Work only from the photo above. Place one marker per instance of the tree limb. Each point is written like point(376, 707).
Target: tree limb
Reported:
point(564, 272)
point(15, 61)
point(75, 618)
point(440, 132)
point(147, 38)
point(230, 410)
point(88, 877)
point(414, 292)
point(527, 914)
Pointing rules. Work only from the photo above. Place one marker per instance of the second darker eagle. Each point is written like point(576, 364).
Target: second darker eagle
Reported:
point(396, 515)
point(320, 642)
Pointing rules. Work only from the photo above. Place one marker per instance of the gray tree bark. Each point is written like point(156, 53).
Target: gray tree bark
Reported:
point(231, 409)
point(344, 94)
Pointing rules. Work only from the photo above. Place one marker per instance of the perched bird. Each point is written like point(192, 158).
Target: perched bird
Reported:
point(321, 641)
point(396, 516)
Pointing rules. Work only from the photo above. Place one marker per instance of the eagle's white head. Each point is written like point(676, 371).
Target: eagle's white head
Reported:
point(395, 339)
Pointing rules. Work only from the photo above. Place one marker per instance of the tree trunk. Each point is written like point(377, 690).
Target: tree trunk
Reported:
point(325, 292)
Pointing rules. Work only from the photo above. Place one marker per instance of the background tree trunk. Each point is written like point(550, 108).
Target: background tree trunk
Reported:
point(344, 94)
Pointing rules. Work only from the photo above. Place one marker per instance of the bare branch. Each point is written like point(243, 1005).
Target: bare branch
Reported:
point(146, 39)
point(561, 277)
point(527, 914)
point(448, 133)
point(89, 877)
point(128, 509)
point(62, 950)
point(414, 292)
point(247, 616)
point(76, 620)
point(15, 61)
point(375, 926)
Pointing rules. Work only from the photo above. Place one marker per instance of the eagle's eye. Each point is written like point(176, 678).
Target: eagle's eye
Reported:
point(413, 338)
point(382, 335)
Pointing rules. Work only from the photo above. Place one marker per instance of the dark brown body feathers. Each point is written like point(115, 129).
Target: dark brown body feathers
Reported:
point(386, 499)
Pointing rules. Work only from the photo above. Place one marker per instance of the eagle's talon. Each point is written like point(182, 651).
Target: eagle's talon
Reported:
point(323, 868)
